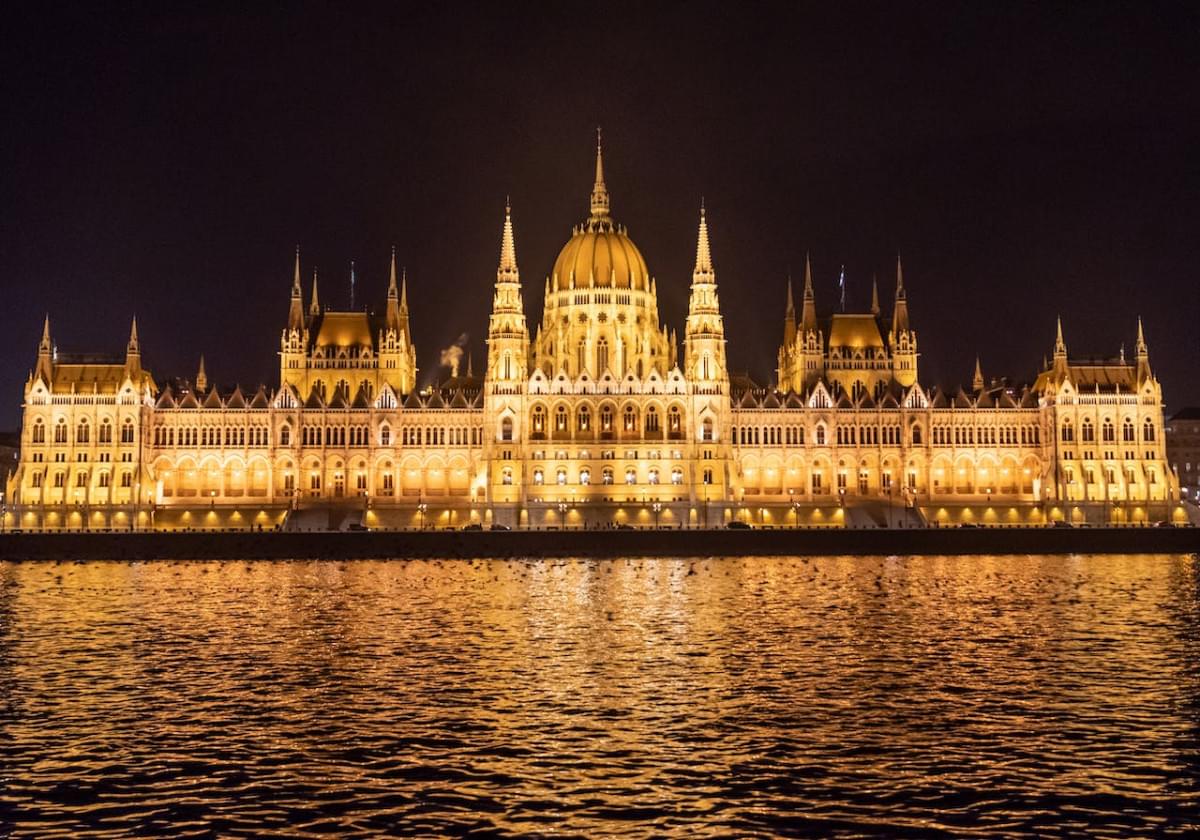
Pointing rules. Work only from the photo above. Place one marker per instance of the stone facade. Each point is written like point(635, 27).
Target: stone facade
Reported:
point(596, 419)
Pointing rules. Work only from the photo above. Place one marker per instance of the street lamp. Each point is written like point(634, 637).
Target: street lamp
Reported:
point(795, 507)
point(421, 510)
point(657, 509)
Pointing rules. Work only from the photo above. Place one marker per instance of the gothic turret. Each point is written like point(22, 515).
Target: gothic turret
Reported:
point(397, 353)
point(902, 338)
point(296, 308)
point(133, 354)
point(1142, 356)
point(201, 378)
point(977, 381)
point(704, 336)
point(508, 335)
point(45, 362)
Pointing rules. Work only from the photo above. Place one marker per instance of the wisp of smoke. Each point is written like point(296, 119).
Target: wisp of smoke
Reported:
point(452, 355)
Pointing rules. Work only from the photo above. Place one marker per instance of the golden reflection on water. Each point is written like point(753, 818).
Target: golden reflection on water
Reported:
point(1004, 696)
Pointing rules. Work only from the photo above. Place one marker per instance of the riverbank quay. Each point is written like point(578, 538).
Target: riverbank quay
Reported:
point(226, 545)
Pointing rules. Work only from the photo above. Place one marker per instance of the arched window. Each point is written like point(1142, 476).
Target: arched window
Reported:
point(105, 432)
point(538, 420)
point(601, 356)
point(581, 355)
point(1087, 430)
point(1148, 431)
point(606, 418)
point(539, 477)
point(630, 475)
point(127, 430)
point(707, 431)
point(704, 367)
point(652, 476)
point(506, 477)
point(385, 436)
point(652, 419)
point(82, 432)
point(677, 475)
point(1127, 432)
point(820, 435)
point(1068, 432)
point(916, 435)
point(561, 476)
point(585, 418)
point(39, 431)
point(1108, 431)
point(585, 476)
point(285, 436)
point(630, 419)
point(506, 429)
point(674, 419)
point(60, 431)
point(560, 419)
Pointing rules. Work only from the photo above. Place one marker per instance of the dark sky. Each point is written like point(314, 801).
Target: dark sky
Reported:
point(1026, 159)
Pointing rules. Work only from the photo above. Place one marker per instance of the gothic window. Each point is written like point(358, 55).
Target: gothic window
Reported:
point(820, 435)
point(39, 431)
point(385, 436)
point(539, 420)
point(82, 434)
point(585, 418)
point(630, 475)
point(506, 429)
point(652, 476)
point(1108, 431)
point(707, 430)
point(674, 419)
point(630, 419)
point(60, 431)
point(103, 479)
point(539, 477)
point(585, 476)
point(561, 476)
point(606, 477)
point(1127, 433)
point(560, 419)
point(606, 418)
point(916, 435)
point(1087, 430)
point(652, 419)
point(127, 431)
point(601, 356)
point(506, 477)
point(582, 355)
point(677, 476)
point(127, 479)
point(1148, 432)
point(106, 432)
point(704, 367)
point(1068, 432)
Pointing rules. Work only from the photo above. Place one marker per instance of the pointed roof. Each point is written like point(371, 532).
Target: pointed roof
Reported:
point(808, 318)
point(46, 344)
point(237, 399)
point(260, 399)
point(703, 252)
point(166, 399)
point(360, 399)
point(392, 292)
point(201, 376)
point(508, 246)
point(296, 275)
point(977, 381)
point(133, 336)
point(213, 400)
point(874, 296)
point(314, 399)
point(600, 201)
point(413, 401)
point(314, 307)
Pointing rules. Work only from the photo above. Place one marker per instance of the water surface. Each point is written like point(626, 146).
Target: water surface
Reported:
point(926, 696)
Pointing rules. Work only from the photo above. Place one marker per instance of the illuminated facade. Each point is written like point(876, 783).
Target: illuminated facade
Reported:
point(595, 419)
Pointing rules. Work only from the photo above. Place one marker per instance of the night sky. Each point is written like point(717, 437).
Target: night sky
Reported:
point(1026, 160)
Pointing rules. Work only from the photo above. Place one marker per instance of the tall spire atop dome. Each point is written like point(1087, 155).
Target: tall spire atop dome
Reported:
point(599, 190)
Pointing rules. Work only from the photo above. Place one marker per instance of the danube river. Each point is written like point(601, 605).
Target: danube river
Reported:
point(838, 696)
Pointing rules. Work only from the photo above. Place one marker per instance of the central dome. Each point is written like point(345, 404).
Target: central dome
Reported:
point(600, 256)
point(600, 253)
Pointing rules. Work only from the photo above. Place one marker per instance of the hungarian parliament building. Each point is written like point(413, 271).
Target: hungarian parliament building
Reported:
point(596, 417)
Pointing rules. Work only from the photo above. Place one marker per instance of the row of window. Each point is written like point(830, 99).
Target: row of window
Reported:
point(652, 422)
point(83, 431)
point(59, 479)
point(606, 475)
point(1108, 432)
point(986, 435)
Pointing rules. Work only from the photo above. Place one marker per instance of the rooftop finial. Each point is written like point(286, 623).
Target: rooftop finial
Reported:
point(599, 190)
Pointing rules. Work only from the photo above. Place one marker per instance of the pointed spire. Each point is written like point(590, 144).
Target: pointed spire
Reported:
point(808, 318)
point(45, 362)
point(1060, 346)
point(1142, 354)
point(201, 377)
point(470, 364)
point(133, 337)
point(704, 265)
point(314, 307)
point(508, 247)
point(874, 296)
point(46, 345)
point(296, 308)
point(1140, 348)
point(790, 309)
point(404, 291)
point(296, 275)
point(599, 190)
point(392, 293)
point(977, 382)
point(133, 352)
point(900, 309)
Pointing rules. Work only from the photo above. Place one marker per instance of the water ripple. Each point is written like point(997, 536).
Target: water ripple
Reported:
point(839, 696)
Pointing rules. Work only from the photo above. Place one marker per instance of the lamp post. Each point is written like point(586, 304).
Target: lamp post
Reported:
point(795, 507)
point(421, 510)
point(562, 515)
point(657, 509)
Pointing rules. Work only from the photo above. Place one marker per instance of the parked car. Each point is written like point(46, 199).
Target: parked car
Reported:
point(1062, 523)
point(738, 525)
point(473, 526)
point(356, 526)
point(496, 526)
